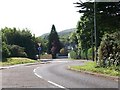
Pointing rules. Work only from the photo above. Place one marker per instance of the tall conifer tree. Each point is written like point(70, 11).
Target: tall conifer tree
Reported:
point(54, 44)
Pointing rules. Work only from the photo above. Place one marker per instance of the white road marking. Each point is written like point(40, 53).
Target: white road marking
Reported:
point(47, 80)
point(36, 73)
point(58, 61)
point(56, 84)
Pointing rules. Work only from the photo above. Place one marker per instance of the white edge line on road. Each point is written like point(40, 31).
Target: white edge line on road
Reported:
point(56, 84)
point(36, 73)
point(46, 80)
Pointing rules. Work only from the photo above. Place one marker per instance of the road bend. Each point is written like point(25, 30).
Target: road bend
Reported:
point(57, 72)
point(54, 74)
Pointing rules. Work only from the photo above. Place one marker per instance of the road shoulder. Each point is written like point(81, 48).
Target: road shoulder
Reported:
point(115, 78)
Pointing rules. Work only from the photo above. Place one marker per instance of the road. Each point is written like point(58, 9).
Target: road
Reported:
point(52, 75)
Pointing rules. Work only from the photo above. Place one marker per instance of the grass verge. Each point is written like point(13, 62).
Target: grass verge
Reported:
point(92, 67)
point(16, 60)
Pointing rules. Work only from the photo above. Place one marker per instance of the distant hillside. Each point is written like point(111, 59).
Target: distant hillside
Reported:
point(61, 33)
point(45, 35)
point(67, 31)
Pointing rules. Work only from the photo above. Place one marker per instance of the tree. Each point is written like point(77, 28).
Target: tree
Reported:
point(107, 15)
point(54, 44)
point(84, 36)
point(22, 38)
point(43, 42)
point(108, 21)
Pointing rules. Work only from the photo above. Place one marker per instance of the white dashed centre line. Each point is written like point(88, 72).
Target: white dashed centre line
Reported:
point(56, 84)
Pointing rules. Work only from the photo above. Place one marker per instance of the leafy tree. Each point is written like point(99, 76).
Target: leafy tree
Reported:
point(73, 38)
point(107, 15)
point(43, 42)
point(54, 44)
point(84, 36)
point(22, 38)
point(108, 21)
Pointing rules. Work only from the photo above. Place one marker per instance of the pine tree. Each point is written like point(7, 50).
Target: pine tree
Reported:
point(54, 44)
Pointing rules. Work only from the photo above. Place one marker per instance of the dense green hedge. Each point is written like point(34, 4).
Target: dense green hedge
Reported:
point(109, 50)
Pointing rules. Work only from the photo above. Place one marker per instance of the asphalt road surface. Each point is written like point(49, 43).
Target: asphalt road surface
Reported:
point(52, 75)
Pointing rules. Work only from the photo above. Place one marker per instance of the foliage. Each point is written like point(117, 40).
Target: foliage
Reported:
point(111, 23)
point(73, 55)
point(43, 42)
point(62, 51)
point(54, 44)
point(109, 50)
point(17, 51)
point(5, 51)
point(92, 67)
point(22, 38)
point(83, 54)
point(16, 60)
point(90, 53)
point(107, 10)
point(73, 38)
point(84, 36)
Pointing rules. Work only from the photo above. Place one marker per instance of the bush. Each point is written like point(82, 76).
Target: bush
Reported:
point(17, 51)
point(109, 50)
point(90, 53)
point(63, 51)
point(83, 54)
point(72, 55)
point(5, 51)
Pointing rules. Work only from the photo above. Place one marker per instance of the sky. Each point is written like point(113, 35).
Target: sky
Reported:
point(39, 15)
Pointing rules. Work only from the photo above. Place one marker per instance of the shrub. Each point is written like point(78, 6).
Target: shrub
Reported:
point(5, 51)
point(109, 50)
point(17, 51)
point(73, 54)
point(90, 53)
point(83, 54)
point(63, 51)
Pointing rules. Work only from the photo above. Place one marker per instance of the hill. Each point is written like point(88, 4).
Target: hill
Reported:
point(61, 33)
point(67, 31)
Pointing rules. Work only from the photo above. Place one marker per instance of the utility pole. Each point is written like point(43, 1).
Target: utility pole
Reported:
point(95, 30)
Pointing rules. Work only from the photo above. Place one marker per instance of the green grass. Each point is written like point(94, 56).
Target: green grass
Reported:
point(92, 67)
point(16, 60)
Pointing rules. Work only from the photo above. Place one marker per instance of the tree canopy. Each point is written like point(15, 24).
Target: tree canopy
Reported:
point(19, 40)
point(54, 44)
point(107, 18)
